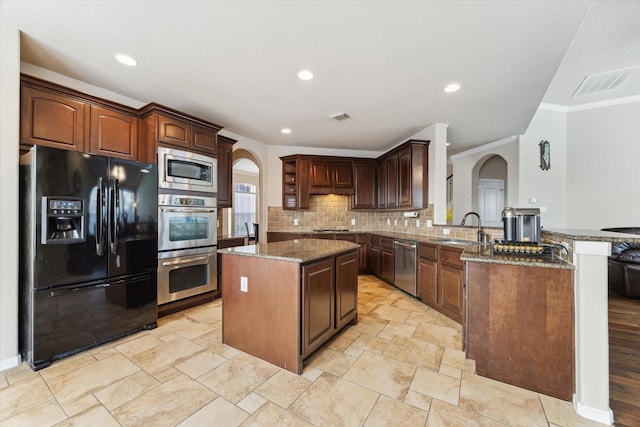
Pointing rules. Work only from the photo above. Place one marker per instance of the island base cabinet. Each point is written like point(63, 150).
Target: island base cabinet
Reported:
point(264, 321)
point(346, 289)
point(319, 309)
point(520, 327)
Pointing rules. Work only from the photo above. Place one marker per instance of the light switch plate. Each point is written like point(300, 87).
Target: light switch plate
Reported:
point(445, 231)
point(353, 221)
point(295, 221)
point(417, 223)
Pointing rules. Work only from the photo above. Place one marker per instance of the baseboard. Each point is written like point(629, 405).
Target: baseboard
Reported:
point(600, 415)
point(9, 363)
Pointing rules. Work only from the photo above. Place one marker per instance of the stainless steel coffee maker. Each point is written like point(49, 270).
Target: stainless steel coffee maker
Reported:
point(521, 224)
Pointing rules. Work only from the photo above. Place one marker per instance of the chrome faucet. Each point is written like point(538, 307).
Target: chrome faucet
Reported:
point(482, 236)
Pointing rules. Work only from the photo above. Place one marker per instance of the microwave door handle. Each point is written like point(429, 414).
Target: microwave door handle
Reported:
point(100, 217)
point(114, 215)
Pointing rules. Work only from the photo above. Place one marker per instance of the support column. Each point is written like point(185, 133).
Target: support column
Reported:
point(592, 330)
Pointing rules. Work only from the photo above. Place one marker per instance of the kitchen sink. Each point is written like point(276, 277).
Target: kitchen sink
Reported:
point(460, 242)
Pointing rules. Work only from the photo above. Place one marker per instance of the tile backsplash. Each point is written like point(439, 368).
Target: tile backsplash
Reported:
point(334, 212)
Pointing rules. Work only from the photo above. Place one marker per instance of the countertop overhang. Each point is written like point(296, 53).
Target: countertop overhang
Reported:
point(299, 250)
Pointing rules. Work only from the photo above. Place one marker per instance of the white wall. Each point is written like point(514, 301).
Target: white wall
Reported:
point(603, 160)
point(9, 136)
point(548, 187)
point(466, 166)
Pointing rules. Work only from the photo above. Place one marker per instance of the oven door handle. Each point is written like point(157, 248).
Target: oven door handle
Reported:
point(188, 210)
point(185, 261)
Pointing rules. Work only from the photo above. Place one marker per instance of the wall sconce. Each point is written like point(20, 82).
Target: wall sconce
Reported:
point(545, 155)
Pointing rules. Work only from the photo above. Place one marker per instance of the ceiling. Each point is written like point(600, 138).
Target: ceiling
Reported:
point(385, 63)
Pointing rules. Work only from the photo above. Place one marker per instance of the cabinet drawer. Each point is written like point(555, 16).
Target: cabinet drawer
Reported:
point(451, 257)
point(428, 252)
point(387, 242)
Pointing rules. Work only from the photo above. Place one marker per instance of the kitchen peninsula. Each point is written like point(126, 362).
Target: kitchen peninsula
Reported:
point(281, 301)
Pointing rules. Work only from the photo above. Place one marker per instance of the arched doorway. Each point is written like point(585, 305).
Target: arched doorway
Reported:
point(491, 190)
point(246, 184)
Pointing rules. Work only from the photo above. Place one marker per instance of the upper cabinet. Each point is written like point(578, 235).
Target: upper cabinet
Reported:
point(403, 176)
point(113, 133)
point(163, 126)
point(295, 182)
point(364, 184)
point(225, 162)
point(329, 175)
point(58, 117)
point(51, 119)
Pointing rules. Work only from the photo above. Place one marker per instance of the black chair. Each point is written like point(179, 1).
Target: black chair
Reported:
point(252, 239)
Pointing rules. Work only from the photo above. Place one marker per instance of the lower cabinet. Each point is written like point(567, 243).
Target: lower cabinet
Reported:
point(376, 255)
point(387, 262)
point(329, 299)
point(364, 240)
point(441, 279)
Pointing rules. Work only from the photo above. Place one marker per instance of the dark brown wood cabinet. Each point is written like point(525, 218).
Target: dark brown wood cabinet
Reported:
point(387, 265)
point(113, 133)
point(364, 184)
point(364, 240)
point(403, 176)
point(346, 288)
point(295, 182)
point(428, 273)
point(318, 296)
point(225, 171)
point(328, 175)
point(441, 279)
point(520, 326)
point(51, 118)
point(376, 255)
point(164, 126)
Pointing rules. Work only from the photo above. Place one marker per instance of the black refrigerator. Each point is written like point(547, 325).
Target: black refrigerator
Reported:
point(88, 251)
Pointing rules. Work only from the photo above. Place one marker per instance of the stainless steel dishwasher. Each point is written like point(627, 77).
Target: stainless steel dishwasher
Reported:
point(405, 276)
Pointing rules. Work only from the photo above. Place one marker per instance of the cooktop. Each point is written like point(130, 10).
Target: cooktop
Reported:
point(330, 230)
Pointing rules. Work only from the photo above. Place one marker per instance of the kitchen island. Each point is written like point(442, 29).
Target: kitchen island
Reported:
point(519, 325)
point(281, 301)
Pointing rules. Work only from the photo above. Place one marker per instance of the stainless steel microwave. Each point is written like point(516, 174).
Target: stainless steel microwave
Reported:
point(183, 170)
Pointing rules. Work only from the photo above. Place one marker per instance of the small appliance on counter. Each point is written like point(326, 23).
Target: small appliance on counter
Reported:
point(521, 225)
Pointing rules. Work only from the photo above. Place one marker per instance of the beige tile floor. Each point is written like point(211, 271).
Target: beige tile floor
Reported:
point(401, 365)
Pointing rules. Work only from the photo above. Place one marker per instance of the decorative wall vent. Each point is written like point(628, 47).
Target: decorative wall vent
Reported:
point(604, 82)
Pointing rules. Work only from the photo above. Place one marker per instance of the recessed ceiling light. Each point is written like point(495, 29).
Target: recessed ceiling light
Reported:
point(305, 75)
point(126, 60)
point(285, 130)
point(453, 87)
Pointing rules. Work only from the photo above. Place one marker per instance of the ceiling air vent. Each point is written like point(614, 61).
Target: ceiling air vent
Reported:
point(603, 82)
point(339, 116)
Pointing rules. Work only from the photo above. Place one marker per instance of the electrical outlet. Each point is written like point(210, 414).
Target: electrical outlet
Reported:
point(417, 223)
point(446, 231)
point(295, 221)
point(543, 209)
point(406, 222)
point(395, 222)
point(429, 223)
point(244, 284)
point(388, 221)
point(353, 221)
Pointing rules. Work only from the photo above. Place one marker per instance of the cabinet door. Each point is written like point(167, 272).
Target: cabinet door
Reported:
point(225, 153)
point(376, 261)
point(365, 251)
point(404, 177)
point(342, 177)
point(364, 180)
point(427, 280)
point(387, 267)
point(320, 176)
point(204, 140)
point(51, 119)
point(346, 288)
point(392, 181)
point(113, 133)
point(173, 131)
point(451, 290)
point(318, 304)
point(382, 184)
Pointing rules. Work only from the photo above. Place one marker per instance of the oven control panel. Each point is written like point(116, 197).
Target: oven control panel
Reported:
point(186, 200)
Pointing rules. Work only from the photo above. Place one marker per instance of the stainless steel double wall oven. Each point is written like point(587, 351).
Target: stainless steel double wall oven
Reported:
point(187, 218)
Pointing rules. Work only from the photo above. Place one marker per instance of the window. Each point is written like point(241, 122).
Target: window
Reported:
point(244, 204)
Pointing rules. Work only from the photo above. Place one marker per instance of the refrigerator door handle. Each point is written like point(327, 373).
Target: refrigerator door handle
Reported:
point(101, 217)
point(114, 215)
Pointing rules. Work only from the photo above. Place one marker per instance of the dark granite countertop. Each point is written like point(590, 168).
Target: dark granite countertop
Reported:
point(482, 253)
point(299, 250)
point(591, 235)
